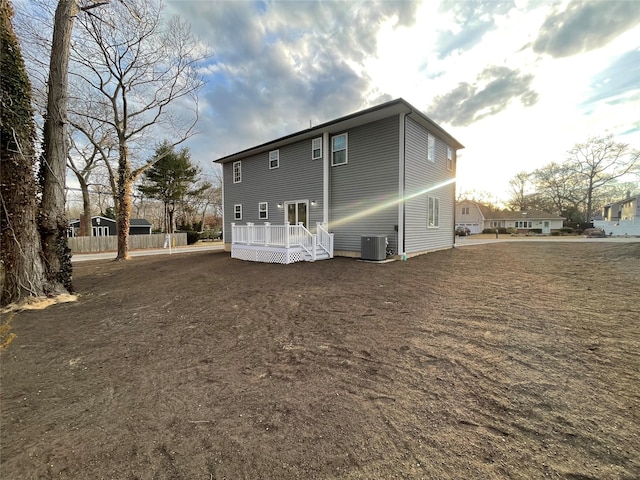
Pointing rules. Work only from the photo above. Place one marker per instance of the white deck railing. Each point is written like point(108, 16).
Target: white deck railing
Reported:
point(284, 236)
point(325, 239)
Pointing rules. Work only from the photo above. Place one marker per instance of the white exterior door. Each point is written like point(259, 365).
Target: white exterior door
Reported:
point(296, 212)
point(546, 228)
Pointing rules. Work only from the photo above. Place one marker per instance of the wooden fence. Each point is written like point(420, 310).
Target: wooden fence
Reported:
point(136, 242)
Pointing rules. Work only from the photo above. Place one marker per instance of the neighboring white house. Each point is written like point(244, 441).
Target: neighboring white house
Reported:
point(622, 217)
point(476, 217)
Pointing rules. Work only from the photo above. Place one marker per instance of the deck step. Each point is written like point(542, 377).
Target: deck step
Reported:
point(320, 255)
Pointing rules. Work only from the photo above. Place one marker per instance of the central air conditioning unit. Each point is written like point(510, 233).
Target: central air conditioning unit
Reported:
point(373, 247)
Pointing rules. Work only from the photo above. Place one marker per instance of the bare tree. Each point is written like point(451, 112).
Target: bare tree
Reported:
point(138, 67)
point(84, 161)
point(210, 196)
point(557, 189)
point(53, 221)
point(520, 191)
point(598, 162)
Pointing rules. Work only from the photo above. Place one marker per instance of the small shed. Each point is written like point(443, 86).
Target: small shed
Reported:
point(104, 227)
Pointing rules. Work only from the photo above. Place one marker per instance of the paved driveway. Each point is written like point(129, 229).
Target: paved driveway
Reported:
point(482, 239)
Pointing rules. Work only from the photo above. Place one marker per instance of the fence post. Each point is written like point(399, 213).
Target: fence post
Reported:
point(250, 233)
point(267, 233)
point(287, 242)
point(233, 232)
point(314, 242)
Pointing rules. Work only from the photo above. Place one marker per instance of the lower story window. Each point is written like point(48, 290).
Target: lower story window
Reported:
point(523, 224)
point(263, 210)
point(237, 212)
point(100, 231)
point(433, 212)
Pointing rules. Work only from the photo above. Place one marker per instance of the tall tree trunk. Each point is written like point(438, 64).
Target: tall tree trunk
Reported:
point(114, 185)
point(124, 202)
point(86, 208)
point(22, 271)
point(53, 170)
point(85, 219)
point(588, 215)
point(172, 226)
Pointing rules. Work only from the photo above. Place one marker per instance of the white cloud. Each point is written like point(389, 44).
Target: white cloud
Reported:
point(527, 98)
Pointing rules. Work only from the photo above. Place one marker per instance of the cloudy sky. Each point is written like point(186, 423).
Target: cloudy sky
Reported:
point(517, 82)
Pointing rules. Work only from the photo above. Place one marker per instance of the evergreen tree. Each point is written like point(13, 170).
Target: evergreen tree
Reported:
point(170, 179)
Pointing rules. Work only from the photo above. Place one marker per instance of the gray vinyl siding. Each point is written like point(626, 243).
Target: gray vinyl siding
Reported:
point(420, 175)
point(297, 178)
point(363, 192)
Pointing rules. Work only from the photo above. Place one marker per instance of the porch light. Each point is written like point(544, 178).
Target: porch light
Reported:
point(280, 205)
point(313, 203)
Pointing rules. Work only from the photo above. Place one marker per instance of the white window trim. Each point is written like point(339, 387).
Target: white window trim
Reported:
point(315, 147)
point(431, 213)
point(265, 210)
point(431, 148)
point(275, 158)
point(100, 231)
point(346, 149)
point(449, 158)
point(237, 164)
point(236, 210)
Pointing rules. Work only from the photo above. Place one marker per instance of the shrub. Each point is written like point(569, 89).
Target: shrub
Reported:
point(578, 231)
point(192, 237)
point(535, 230)
point(555, 233)
point(566, 230)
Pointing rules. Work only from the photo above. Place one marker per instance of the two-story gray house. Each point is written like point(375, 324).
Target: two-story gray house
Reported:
point(387, 171)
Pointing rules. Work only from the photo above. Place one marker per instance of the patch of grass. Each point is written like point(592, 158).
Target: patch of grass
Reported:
point(6, 337)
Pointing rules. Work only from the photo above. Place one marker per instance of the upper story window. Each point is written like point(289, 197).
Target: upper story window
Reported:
point(274, 159)
point(431, 148)
point(465, 210)
point(237, 212)
point(237, 172)
point(263, 210)
point(316, 148)
point(339, 149)
point(433, 212)
point(449, 158)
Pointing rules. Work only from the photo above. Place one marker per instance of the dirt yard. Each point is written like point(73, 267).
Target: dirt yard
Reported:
point(509, 360)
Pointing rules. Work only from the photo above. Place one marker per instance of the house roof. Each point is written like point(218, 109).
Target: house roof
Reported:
point(629, 198)
point(521, 215)
point(139, 222)
point(134, 222)
point(394, 107)
point(490, 214)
